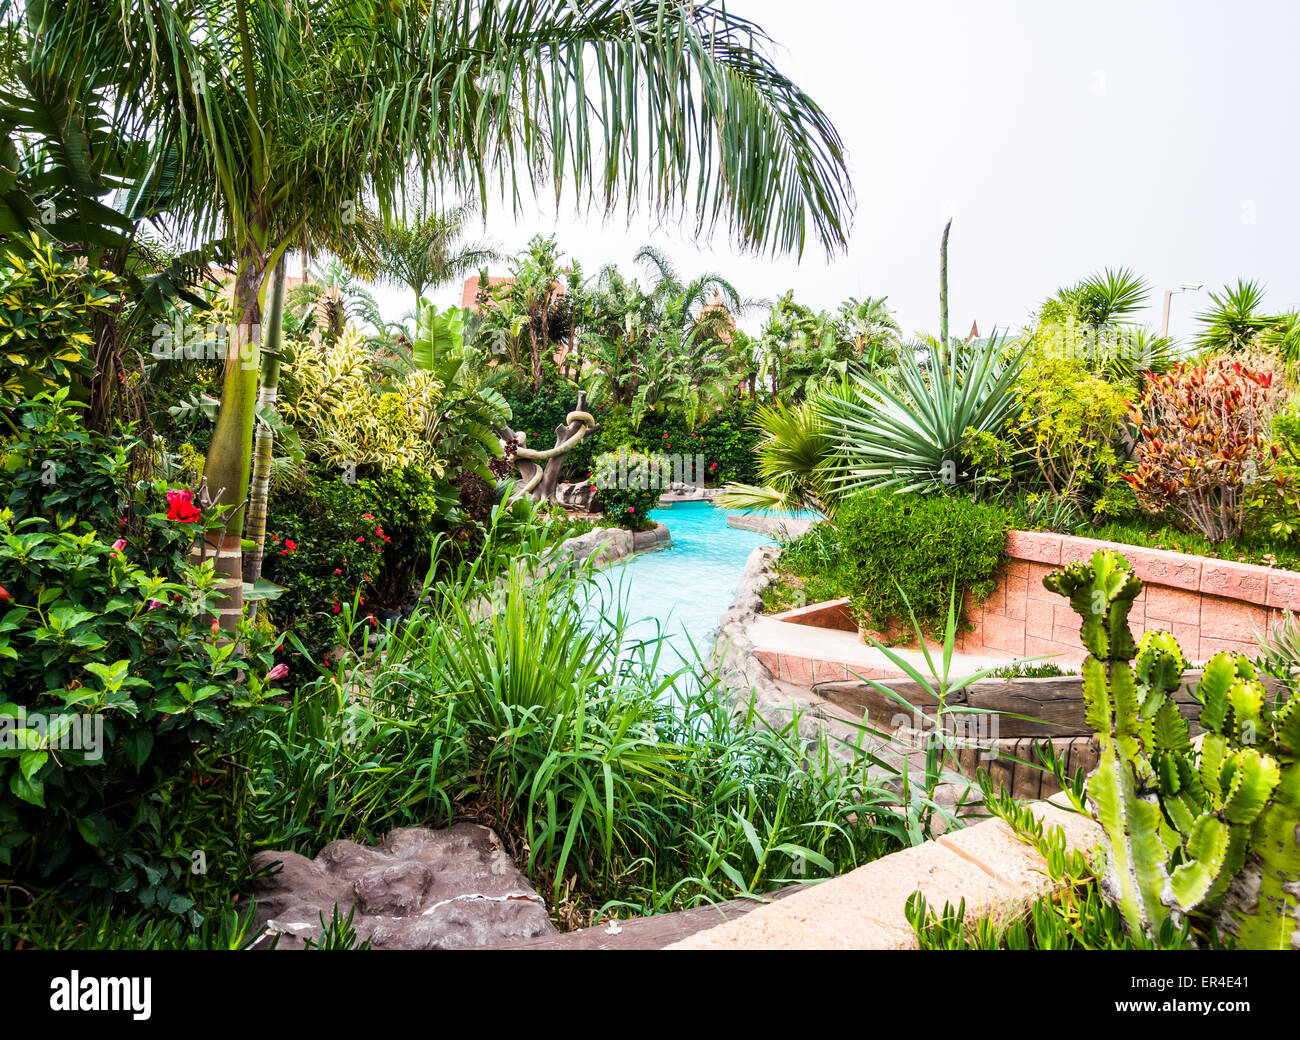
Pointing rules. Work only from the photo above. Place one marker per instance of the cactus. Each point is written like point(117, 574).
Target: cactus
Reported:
point(1184, 826)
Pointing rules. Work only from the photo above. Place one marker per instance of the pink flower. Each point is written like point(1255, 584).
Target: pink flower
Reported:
point(337, 571)
point(120, 544)
point(278, 672)
point(154, 604)
point(216, 628)
point(630, 509)
point(360, 540)
point(367, 516)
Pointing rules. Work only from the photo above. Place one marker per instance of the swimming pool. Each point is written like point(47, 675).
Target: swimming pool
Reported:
point(683, 590)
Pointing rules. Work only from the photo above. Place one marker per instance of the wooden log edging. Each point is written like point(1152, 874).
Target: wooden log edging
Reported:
point(987, 865)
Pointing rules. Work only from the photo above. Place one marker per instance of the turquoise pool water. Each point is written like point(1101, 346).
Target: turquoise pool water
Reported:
point(682, 591)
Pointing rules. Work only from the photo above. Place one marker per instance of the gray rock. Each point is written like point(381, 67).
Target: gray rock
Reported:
point(420, 889)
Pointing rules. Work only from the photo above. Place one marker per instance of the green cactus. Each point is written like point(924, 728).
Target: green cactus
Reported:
point(1182, 823)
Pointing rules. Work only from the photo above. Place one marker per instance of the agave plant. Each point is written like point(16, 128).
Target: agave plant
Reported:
point(912, 438)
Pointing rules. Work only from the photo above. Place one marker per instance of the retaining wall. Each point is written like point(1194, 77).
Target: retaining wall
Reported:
point(1209, 605)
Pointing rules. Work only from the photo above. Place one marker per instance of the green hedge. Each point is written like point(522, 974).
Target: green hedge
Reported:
point(908, 549)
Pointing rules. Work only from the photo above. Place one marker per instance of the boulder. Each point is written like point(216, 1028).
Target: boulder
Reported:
point(419, 889)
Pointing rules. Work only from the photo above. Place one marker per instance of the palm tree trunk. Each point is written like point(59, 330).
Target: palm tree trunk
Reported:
point(227, 470)
point(266, 397)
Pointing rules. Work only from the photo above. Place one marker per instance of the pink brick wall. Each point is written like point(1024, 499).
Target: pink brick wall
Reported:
point(1209, 605)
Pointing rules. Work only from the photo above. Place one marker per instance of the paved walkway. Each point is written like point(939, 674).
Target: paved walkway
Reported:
point(804, 654)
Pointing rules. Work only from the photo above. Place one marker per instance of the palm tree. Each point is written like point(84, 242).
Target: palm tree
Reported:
point(424, 250)
point(283, 114)
point(869, 326)
point(1236, 321)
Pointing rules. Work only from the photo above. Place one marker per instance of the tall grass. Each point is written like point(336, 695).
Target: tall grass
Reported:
point(617, 784)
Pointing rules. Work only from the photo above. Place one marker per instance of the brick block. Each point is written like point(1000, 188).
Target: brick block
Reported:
point(1037, 572)
point(1038, 546)
point(1211, 645)
point(1016, 568)
point(1176, 570)
point(1231, 619)
point(1284, 590)
point(1003, 633)
point(1016, 595)
point(1173, 605)
point(1240, 581)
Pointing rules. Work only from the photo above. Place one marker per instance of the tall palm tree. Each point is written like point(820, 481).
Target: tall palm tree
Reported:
point(295, 110)
point(423, 249)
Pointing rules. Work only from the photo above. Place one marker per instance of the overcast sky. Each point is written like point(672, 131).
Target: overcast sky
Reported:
point(1061, 137)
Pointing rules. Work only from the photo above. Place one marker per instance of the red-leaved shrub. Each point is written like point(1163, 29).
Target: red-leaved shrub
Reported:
point(1205, 449)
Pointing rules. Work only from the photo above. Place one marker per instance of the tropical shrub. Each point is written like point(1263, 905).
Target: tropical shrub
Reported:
point(905, 552)
point(111, 673)
point(331, 390)
point(914, 438)
point(1068, 420)
point(795, 450)
point(331, 542)
point(628, 485)
point(47, 305)
point(1204, 453)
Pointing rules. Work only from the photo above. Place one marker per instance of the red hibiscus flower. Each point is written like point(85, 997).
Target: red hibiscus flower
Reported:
point(180, 506)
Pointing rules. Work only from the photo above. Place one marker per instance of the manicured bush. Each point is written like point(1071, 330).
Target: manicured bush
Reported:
point(903, 550)
point(1205, 453)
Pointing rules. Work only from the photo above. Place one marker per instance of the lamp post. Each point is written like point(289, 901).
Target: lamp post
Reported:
point(1169, 295)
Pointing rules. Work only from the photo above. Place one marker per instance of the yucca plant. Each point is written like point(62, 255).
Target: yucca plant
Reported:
point(913, 438)
point(1236, 321)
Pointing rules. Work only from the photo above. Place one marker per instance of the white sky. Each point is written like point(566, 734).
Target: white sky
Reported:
point(1062, 137)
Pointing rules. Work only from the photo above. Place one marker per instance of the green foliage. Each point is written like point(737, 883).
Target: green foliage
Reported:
point(1181, 823)
point(627, 487)
point(915, 437)
point(47, 305)
point(1068, 419)
point(115, 688)
point(794, 451)
point(810, 569)
point(1236, 321)
point(378, 534)
point(903, 550)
